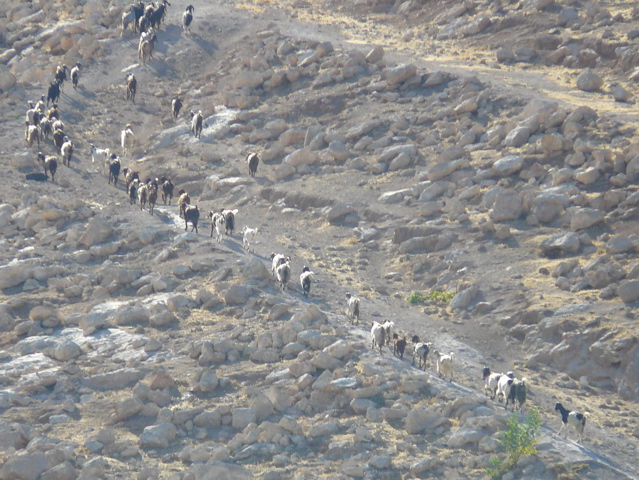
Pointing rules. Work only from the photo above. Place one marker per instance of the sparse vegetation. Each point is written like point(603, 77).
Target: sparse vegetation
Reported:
point(436, 296)
point(518, 440)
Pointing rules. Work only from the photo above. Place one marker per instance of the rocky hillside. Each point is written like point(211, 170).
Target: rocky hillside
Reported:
point(479, 153)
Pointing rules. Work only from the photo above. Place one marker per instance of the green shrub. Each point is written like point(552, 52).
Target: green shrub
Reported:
point(436, 296)
point(417, 297)
point(518, 440)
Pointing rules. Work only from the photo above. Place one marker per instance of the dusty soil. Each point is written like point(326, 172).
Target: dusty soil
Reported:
point(194, 66)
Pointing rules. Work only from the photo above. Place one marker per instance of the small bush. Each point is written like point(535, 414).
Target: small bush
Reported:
point(518, 440)
point(417, 297)
point(436, 296)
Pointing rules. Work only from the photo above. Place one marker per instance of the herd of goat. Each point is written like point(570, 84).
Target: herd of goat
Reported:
point(43, 122)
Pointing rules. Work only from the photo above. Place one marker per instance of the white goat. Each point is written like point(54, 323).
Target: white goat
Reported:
point(248, 235)
point(102, 154)
point(277, 260)
point(378, 336)
point(217, 223)
point(504, 385)
point(352, 308)
point(305, 280)
point(67, 151)
point(492, 380)
point(575, 419)
point(31, 134)
point(127, 137)
point(445, 364)
point(388, 331)
point(284, 273)
point(421, 351)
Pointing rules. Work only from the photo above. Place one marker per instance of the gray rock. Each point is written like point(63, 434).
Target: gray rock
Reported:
point(629, 291)
point(581, 218)
point(25, 466)
point(158, 436)
point(517, 137)
point(548, 205)
point(420, 420)
point(242, 417)
point(508, 165)
point(396, 196)
point(114, 380)
point(508, 206)
point(98, 230)
point(619, 93)
point(220, 471)
point(588, 81)
point(561, 244)
point(465, 436)
point(464, 298)
point(63, 471)
point(337, 212)
point(375, 55)
point(237, 294)
point(66, 351)
point(128, 408)
point(400, 73)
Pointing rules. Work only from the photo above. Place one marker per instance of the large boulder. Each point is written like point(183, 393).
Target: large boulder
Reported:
point(400, 73)
point(588, 81)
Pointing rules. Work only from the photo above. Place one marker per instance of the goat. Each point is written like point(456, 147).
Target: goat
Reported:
point(196, 123)
point(575, 419)
point(75, 74)
point(183, 201)
point(144, 22)
point(32, 134)
point(153, 197)
point(102, 154)
point(67, 151)
point(58, 139)
point(445, 364)
point(133, 191)
point(53, 112)
point(167, 189)
point(33, 115)
point(129, 18)
point(248, 235)
point(53, 93)
point(57, 124)
point(145, 51)
point(352, 308)
point(388, 331)
point(61, 74)
point(378, 336)
point(146, 36)
point(305, 280)
point(217, 223)
point(45, 127)
point(518, 393)
point(399, 346)
point(143, 191)
point(127, 137)
point(158, 14)
point(131, 87)
point(504, 384)
point(283, 273)
point(41, 106)
point(130, 176)
point(50, 164)
point(229, 221)
point(492, 381)
point(421, 351)
point(176, 106)
point(191, 214)
point(187, 18)
point(276, 260)
point(253, 161)
point(114, 169)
